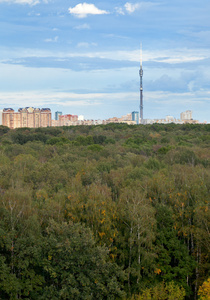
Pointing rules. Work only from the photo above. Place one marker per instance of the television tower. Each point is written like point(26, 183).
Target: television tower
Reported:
point(141, 86)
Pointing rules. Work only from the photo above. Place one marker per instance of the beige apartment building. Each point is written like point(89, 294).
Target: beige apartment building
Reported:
point(65, 120)
point(186, 115)
point(26, 117)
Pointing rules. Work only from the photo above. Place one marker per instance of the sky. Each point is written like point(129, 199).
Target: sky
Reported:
point(83, 58)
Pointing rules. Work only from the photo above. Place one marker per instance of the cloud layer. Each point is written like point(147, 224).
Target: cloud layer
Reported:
point(30, 2)
point(91, 51)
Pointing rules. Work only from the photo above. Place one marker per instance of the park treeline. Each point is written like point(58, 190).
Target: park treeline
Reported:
point(105, 212)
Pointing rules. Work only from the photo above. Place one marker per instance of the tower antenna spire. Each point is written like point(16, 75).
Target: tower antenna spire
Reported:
point(141, 86)
point(141, 55)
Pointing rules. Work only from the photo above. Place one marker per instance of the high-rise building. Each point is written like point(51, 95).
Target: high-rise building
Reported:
point(26, 117)
point(10, 118)
point(186, 115)
point(57, 114)
point(135, 116)
point(46, 117)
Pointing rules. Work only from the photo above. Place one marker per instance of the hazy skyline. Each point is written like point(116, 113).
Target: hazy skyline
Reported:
point(84, 57)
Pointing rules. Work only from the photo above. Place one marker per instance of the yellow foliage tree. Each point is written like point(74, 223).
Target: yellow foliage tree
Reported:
point(162, 291)
point(204, 290)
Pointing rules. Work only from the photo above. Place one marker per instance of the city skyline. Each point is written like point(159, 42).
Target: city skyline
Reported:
point(34, 117)
point(83, 58)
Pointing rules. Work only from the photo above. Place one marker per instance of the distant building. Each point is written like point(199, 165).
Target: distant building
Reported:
point(148, 121)
point(67, 120)
point(55, 123)
point(1, 111)
point(81, 118)
point(127, 117)
point(135, 116)
point(26, 117)
point(120, 120)
point(10, 118)
point(186, 115)
point(170, 119)
point(57, 114)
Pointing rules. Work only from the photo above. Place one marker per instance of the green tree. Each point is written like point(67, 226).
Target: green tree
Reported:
point(136, 236)
point(173, 260)
point(75, 268)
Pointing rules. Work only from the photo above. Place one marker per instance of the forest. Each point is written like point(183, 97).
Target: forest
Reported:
point(111, 211)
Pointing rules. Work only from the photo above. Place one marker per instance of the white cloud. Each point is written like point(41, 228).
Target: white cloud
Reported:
point(201, 36)
point(81, 10)
point(130, 7)
point(175, 56)
point(177, 98)
point(54, 40)
point(112, 35)
point(119, 11)
point(30, 2)
point(34, 14)
point(48, 98)
point(85, 45)
point(82, 26)
point(171, 56)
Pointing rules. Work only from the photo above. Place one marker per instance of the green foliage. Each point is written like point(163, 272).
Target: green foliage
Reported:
point(137, 233)
point(164, 150)
point(3, 130)
point(81, 140)
point(165, 140)
point(185, 156)
point(99, 139)
point(104, 212)
point(58, 141)
point(110, 141)
point(95, 147)
point(22, 137)
point(153, 164)
point(75, 268)
point(173, 260)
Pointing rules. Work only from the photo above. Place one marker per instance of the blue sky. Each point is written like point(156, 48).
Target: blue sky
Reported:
point(83, 57)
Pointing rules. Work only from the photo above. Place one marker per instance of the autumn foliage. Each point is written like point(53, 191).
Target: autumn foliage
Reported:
point(105, 212)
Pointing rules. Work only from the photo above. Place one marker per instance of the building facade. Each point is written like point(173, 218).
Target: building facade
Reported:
point(186, 115)
point(135, 116)
point(57, 114)
point(27, 117)
point(67, 120)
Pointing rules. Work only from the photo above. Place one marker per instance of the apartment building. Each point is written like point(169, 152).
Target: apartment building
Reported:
point(26, 117)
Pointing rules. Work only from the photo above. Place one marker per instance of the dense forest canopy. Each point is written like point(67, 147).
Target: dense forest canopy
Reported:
point(105, 212)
